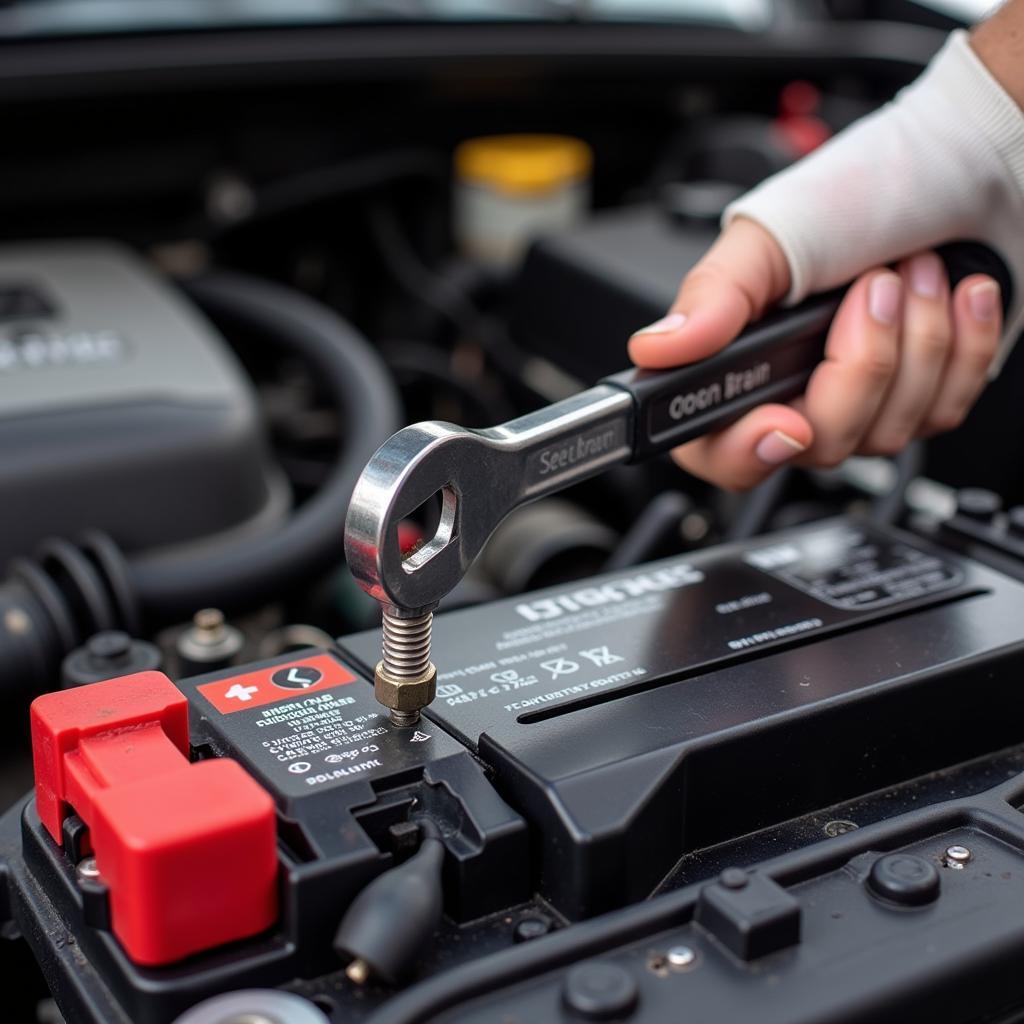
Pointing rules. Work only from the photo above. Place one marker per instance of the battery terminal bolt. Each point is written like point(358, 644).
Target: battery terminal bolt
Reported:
point(209, 643)
point(405, 680)
point(957, 857)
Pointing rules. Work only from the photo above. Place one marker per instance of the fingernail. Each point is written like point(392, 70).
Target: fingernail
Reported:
point(926, 275)
point(884, 299)
point(777, 447)
point(664, 325)
point(983, 298)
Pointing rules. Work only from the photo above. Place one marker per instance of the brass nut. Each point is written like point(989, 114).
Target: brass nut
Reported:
point(404, 695)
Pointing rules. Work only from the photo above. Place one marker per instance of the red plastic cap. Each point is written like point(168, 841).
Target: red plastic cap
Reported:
point(188, 851)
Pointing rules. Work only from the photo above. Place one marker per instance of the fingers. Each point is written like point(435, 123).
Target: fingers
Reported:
point(740, 274)
point(925, 347)
point(745, 453)
point(846, 392)
point(978, 324)
point(903, 359)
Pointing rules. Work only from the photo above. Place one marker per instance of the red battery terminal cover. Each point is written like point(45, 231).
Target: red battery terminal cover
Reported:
point(187, 850)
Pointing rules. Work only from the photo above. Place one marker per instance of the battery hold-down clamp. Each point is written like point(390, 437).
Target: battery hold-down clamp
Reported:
point(187, 850)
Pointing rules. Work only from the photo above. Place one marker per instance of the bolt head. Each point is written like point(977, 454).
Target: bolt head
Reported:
point(957, 856)
point(404, 695)
point(87, 870)
point(531, 928)
point(839, 827)
point(680, 957)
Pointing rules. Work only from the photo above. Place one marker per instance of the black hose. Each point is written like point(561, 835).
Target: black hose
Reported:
point(755, 512)
point(658, 522)
point(415, 277)
point(259, 567)
point(326, 184)
point(887, 508)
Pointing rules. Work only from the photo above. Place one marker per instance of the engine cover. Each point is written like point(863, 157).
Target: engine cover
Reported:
point(115, 391)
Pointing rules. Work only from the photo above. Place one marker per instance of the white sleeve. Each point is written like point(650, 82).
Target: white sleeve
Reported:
point(943, 161)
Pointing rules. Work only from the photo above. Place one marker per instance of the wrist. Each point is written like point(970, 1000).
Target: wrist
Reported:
point(999, 45)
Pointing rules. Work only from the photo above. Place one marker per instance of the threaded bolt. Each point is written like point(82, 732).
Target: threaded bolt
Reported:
point(406, 644)
point(405, 679)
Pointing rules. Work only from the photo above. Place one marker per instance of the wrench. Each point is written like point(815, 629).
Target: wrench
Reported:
point(483, 475)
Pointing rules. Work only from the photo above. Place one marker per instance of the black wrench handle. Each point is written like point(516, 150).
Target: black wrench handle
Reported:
point(771, 361)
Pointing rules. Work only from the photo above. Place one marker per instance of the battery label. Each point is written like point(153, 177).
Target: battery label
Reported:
point(516, 659)
point(308, 724)
point(849, 569)
point(275, 684)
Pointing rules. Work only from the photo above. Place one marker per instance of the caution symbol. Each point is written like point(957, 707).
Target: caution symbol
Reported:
point(298, 677)
point(418, 737)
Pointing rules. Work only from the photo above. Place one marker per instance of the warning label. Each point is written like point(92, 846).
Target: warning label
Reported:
point(272, 685)
point(301, 727)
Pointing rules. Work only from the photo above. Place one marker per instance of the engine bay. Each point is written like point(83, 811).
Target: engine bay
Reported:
point(751, 756)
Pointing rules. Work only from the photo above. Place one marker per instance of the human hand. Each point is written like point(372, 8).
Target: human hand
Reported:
point(905, 357)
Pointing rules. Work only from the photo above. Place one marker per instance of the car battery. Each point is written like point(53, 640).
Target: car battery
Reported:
point(635, 717)
point(591, 745)
point(211, 834)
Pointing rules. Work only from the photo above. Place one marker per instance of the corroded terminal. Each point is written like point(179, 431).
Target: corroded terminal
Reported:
point(405, 680)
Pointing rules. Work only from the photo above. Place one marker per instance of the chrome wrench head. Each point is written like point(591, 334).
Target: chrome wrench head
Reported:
point(481, 476)
point(411, 467)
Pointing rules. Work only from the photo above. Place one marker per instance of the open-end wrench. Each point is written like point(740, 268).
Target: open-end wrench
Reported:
point(482, 475)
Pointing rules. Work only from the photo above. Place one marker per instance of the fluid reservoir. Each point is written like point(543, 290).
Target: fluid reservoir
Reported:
point(510, 188)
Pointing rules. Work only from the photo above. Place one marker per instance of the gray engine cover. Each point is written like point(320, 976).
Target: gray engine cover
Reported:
point(121, 408)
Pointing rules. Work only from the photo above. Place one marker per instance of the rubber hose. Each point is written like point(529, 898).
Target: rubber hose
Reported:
point(658, 523)
point(759, 505)
point(259, 567)
point(887, 508)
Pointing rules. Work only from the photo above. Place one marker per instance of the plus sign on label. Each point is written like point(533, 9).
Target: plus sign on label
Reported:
point(240, 692)
point(275, 683)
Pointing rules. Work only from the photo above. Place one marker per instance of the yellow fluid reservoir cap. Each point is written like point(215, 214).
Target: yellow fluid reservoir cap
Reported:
point(523, 164)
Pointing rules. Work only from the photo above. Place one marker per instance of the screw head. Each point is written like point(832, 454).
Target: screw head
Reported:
point(531, 928)
point(87, 870)
point(956, 857)
point(680, 957)
point(839, 827)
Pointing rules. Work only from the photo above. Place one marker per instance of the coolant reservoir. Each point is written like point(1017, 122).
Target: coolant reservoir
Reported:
point(510, 188)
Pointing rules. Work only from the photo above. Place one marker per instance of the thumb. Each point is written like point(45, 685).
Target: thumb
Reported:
point(737, 278)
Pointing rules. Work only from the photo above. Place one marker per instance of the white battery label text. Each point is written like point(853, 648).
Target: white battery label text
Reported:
point(670, 578)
